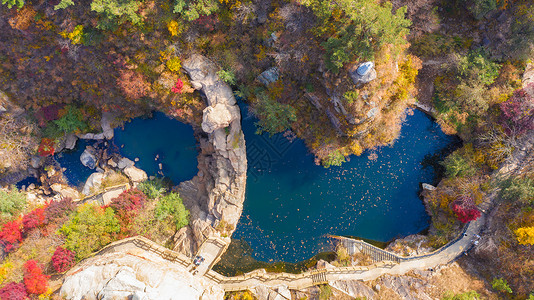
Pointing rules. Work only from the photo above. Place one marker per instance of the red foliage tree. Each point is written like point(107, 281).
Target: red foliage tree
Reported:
point(127, 204)
point(34, 219)
point(465, 209)
point(11, 235)
point(517, 114)
point(13, 291)
point(58, 210)
point(48, 113)
point(207, 23)
point(46, 147)
point(177, 88)
point(63, 259)
point(36, 282)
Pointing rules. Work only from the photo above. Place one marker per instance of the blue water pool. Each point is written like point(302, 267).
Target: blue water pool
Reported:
point(153, 141)
point(156, 140)
point(291, 203)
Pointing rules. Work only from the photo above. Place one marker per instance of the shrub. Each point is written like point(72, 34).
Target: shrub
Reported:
point(227, 76)
point(63, 259)
point(58, 210)
point(174, 28)
point(46, 147)
point(71, 121)
point(90, 228)
point(517, 114)
point(116, 12)
point(470, 295)
point(11, 235)
point(13, 291)
point(480, 8)
point(11, 203)
point(153, 188)
point(174, 64)
point(525, 235)
point(501, 285)
point(325, 292)
point(456, 165)
point(127, 204)
point(518, 189)
point(34, 219)
point(172, 206)
point(464, 214)
point(335, 158)
point(34, 279)
point(177, 88)
point(11, 3)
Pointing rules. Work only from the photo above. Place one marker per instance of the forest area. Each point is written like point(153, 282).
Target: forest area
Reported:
point(295, 62)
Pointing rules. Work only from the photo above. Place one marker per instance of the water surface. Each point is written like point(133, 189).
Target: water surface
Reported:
point(291, 203)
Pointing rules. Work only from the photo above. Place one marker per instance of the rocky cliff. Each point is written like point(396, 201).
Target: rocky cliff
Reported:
point(215, 196)
point(135, 274)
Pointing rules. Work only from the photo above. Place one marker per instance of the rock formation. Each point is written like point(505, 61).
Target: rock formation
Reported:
point(135, 274)
point(215, 196)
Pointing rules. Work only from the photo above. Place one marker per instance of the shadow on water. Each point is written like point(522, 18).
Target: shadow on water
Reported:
point(238, 260)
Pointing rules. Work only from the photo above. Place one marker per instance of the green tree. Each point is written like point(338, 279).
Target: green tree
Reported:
point(193, 9)
point(72, 121)
point(11, 203)
point(274, 116)
point(172, 206)
point(63, 4)
point(154, 188)
point(90, 228)
point(364, 27)
point(335, 158)
point(11, 3)
point(116, 12)
point(518, 189)
point(480, 8)
point(325, 292)
point(501, 285)
point(456, 165)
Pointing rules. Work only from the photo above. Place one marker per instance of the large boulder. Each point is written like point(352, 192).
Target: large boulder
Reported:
point(135, 174)
point(269, 76)
point(363, 73)
point(70, 141)
point(125, 163)
point(93, 183)
point(218, 116)
point(107, 129)
point(65, 191)
point(88, 158)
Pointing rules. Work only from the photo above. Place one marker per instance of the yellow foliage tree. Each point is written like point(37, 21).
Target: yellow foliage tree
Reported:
point(525, 235)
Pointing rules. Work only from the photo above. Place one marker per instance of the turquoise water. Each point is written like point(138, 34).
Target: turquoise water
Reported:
point(155, 140)
point(291, 204)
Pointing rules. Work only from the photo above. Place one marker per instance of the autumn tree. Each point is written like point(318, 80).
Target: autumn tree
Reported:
point(90, 228)
point(63, 259)
point(525, 235)
point(35, 281)
point(14, 291)
point(517, 113)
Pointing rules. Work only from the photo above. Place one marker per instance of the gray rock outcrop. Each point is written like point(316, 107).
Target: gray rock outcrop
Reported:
point(135, 174)
point(93, 183)
point(88, 158)
point(269, 76)
point(215, 196)
point(131, 274)
point(364, 73)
